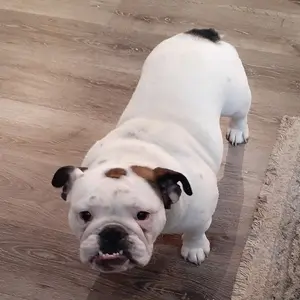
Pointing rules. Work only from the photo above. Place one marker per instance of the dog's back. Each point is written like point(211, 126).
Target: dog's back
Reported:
point(187, 80)
point(185, 74)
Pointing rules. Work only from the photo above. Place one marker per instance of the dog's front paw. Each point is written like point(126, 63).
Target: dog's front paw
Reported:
point(236, 136)
point(196, 252)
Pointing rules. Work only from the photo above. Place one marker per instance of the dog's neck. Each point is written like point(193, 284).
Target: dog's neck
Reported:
point(125, 152)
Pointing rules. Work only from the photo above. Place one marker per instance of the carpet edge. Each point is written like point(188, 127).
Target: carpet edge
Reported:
point(244, 278)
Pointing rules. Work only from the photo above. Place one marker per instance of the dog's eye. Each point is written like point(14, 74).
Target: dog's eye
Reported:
point(142, 215)
point(85, 216)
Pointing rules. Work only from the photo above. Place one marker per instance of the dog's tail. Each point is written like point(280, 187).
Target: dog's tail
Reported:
point(209, 33)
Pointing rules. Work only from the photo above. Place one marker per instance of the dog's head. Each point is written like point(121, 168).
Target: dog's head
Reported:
point(118, 213)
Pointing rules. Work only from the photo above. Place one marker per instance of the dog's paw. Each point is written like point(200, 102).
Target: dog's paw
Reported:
point(197, 254)
point(236, 136)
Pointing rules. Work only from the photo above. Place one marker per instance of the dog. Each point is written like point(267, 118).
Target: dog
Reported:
point(156, 172)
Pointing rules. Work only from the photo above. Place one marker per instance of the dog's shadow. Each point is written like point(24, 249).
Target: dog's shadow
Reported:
point(168, 277)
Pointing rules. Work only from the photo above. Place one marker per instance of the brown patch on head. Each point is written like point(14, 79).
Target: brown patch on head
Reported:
point(115, 173)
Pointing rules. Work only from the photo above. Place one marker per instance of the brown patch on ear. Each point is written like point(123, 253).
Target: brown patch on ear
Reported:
point(165, 181)
point(115, 173)
point(149, 174)
point(144, 172)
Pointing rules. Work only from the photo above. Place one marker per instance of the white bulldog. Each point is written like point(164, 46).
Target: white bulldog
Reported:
point(156, 171)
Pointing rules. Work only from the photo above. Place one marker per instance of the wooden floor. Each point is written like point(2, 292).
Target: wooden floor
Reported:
point(67, 69)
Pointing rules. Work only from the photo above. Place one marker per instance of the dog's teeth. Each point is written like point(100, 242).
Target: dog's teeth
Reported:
point(104, 255)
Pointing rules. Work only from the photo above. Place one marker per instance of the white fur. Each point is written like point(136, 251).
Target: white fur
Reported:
point(172, 121)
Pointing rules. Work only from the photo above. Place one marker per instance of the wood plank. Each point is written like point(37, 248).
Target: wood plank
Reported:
point(39, 263)
point(63, 140)
point(168, 18)
point(86, 86)
point(96, 11)
point(9, 297)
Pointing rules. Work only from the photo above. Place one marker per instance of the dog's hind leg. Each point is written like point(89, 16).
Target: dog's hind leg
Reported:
point(237, 108)
point(238, 130)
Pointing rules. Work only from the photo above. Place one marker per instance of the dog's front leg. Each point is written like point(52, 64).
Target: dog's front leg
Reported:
point(195, 245)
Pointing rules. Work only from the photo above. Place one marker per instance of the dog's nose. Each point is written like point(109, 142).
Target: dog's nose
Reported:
point(112, 239)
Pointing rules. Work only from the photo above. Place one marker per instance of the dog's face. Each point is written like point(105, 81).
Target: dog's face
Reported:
point(116, 213)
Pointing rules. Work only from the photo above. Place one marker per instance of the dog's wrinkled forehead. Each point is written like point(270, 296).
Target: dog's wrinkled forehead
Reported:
point(141, 182)
point(106, 183)
point(112, 188)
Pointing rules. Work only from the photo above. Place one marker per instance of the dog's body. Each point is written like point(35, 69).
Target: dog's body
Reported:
point(172, 122)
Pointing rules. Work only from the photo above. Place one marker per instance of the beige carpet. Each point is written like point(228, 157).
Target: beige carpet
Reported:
point(270, 265)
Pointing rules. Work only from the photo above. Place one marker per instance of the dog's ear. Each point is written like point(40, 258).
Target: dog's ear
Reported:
point(166, 181)
point(64, 177)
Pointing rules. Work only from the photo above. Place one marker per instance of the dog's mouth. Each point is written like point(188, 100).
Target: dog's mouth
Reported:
point(110, 261)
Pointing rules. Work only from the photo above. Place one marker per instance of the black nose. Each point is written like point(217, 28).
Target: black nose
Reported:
point(112, 239)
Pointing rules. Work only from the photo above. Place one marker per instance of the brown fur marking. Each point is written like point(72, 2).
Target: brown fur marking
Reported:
point(144, 172)
point(115, 173)
point(150, 174)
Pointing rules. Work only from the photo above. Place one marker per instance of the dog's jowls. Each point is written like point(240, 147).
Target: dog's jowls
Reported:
point(156, 171)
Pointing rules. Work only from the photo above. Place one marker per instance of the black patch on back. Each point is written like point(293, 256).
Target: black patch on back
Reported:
point(209, 34)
